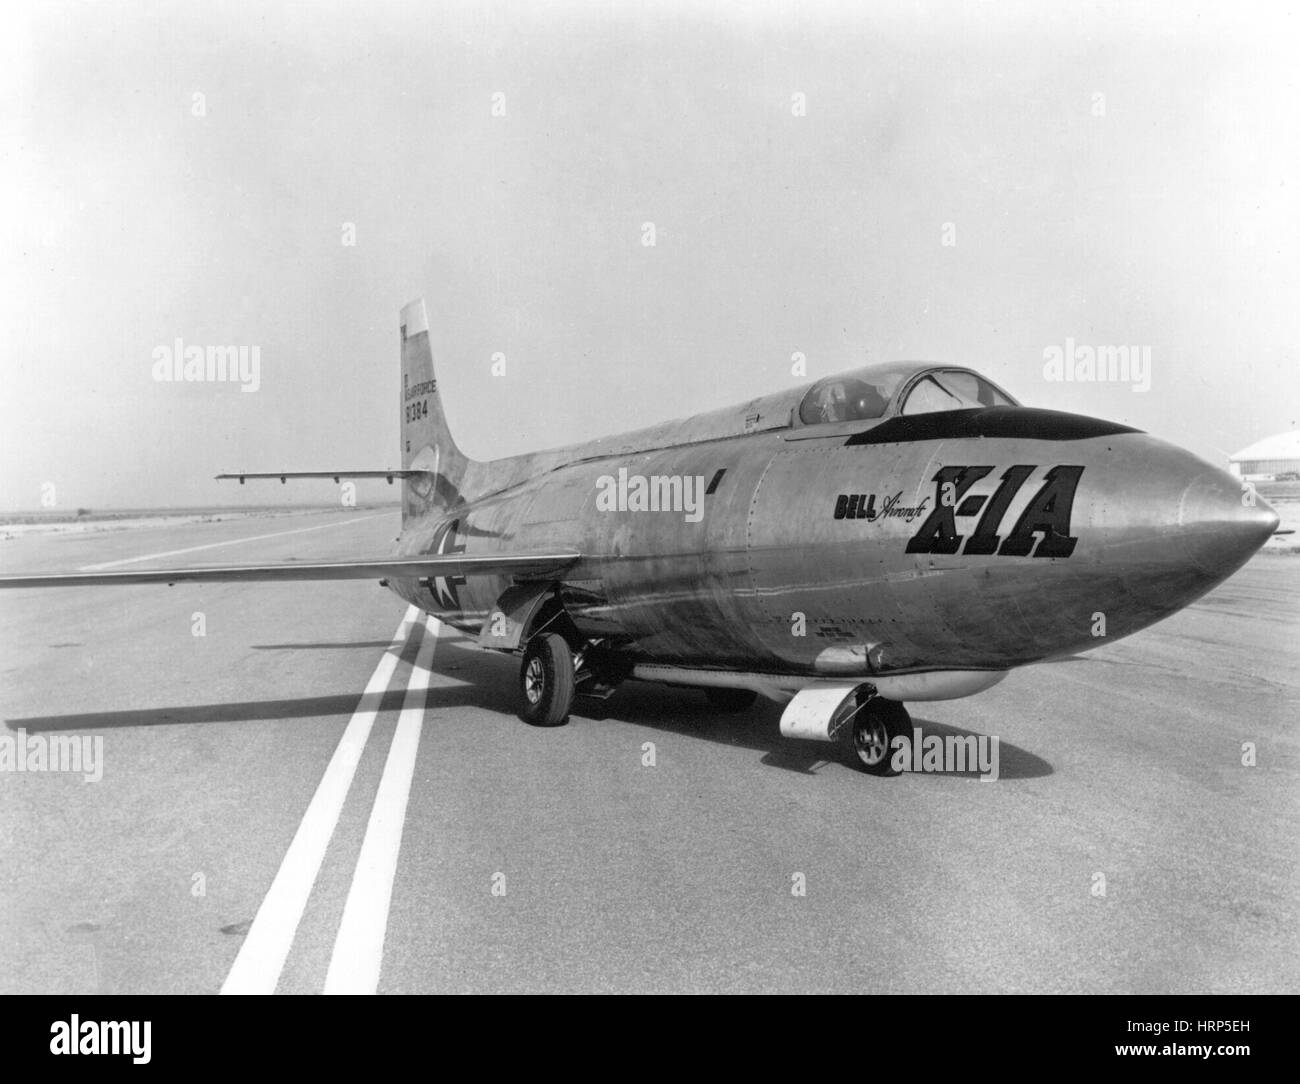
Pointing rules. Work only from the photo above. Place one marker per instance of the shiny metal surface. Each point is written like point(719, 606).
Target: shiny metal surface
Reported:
point(812, 555)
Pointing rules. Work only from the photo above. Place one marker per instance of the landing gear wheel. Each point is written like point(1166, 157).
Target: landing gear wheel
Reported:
point(874, 729)
point(546, 680)
point(730, 700)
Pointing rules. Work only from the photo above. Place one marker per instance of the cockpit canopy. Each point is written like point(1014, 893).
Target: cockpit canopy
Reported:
point(877, 391)
point(858, 399)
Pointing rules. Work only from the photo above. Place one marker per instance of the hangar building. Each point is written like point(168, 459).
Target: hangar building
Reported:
point(1268, 458)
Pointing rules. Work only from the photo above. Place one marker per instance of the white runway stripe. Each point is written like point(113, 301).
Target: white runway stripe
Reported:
point(359, 947)
point(228, 542)
point(261, 957)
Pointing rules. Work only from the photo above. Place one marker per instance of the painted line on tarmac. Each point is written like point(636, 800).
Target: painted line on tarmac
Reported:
point(359, 947)
point(228, 542)
point(261, 957)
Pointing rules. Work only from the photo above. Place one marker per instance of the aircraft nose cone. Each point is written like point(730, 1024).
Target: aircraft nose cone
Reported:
point(1221, 523)
point(1157, 527)
point(1165, 527)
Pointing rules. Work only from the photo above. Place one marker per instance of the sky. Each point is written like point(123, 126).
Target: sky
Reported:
point(975, 183)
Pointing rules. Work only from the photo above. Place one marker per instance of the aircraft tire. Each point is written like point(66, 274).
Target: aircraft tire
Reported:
point(730, 700)
point(546, 681)
point(874, 729)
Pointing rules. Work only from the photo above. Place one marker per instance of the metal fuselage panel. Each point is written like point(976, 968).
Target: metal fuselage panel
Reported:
point(823, 557)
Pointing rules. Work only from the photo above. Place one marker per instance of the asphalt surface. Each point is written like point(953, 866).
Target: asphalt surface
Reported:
point(557, 860)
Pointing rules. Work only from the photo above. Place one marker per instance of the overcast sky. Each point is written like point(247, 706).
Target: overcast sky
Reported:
point(1109, 176)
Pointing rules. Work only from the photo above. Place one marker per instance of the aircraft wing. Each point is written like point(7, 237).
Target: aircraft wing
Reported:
point(512, 564)
point(334, 474)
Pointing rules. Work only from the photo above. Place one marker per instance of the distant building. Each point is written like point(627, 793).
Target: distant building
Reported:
point(1268, 458)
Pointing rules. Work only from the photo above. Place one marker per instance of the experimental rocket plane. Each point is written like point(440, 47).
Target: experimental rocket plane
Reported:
point(900, 532)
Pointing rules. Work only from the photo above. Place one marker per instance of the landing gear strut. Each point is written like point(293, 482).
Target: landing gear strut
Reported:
point(546, 680)
point(875, 726)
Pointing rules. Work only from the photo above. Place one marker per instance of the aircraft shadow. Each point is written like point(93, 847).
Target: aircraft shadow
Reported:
point(688, 713)
point(489, 683)
point(235, 711)
point(352, 645)
point(682, 711)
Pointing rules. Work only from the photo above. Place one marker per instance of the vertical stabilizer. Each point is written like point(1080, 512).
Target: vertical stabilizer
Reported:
point(427, 443)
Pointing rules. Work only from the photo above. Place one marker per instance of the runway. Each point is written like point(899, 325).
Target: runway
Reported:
point(346, 788)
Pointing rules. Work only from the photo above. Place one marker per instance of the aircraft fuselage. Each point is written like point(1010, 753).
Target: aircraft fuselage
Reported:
point(962, 540)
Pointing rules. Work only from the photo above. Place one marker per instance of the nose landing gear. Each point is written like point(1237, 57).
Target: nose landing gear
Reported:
point(875, 726)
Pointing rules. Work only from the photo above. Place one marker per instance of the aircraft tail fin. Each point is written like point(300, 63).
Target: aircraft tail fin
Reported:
point(428, 448)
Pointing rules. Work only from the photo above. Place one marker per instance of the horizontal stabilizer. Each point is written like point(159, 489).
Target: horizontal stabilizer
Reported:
point(512, 564)
point(334, 474)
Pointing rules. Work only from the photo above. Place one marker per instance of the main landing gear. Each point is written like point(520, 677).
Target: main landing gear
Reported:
point(550, 676)
point(547, 681)
point(876, 723)
point(554, 672)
